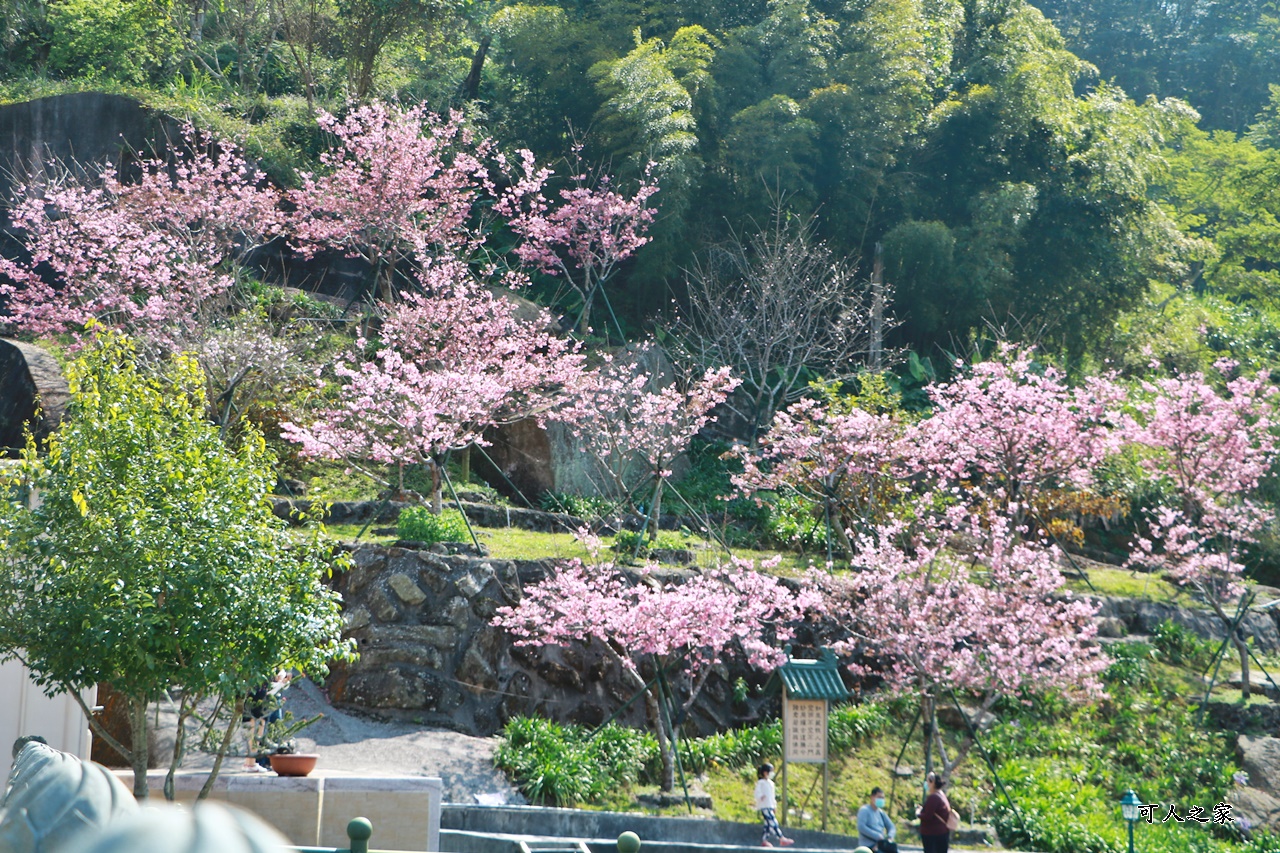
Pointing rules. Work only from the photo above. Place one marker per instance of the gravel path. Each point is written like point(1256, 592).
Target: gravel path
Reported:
point(353, 745)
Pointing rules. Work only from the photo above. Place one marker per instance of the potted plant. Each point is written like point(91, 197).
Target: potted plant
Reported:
point(283, 749)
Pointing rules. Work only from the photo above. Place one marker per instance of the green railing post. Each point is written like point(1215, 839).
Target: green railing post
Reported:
point(359, 830)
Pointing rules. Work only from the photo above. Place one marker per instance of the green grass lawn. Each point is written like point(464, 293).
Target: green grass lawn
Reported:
point(514, 543)
point(851, 779)
point(1122, 583)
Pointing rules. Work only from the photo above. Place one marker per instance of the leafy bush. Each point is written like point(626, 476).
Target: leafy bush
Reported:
point(419, 524)
point(1179, 645)
point(128, 40)
point(561, 765)
point(852, 725)
point(734, 748)
point(1130, 665)
point(582, 506)
point(795, 522)
point(627, 542)
point(1065, 808)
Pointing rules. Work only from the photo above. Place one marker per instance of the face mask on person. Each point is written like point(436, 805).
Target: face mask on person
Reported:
point(879, 802)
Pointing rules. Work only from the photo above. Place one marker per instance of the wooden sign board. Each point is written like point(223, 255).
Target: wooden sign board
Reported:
point(804, 726)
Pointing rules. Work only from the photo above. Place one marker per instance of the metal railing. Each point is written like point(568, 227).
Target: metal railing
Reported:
point(359, 831)
point(554, 845)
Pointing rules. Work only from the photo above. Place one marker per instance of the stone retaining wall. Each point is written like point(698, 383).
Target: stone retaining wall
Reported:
point(428, 654)
point(1122, 616)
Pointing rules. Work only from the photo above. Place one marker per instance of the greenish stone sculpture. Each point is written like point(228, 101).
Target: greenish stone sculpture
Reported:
point(208, 828)
point(53, 798)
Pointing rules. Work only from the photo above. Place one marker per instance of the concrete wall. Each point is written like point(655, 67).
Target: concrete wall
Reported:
point(461, 824)
point(313, 811)
point(25, 710)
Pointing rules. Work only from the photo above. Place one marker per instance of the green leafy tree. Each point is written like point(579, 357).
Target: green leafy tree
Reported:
point(646, 122)
point(151, 560)
point(1222, 189)
point(128, 40)
point(368, 26)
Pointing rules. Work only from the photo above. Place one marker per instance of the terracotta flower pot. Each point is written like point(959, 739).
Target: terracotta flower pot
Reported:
point(296, 764)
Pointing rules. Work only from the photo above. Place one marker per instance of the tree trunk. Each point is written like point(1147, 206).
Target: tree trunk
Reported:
point(179, 744)
point(655, 514)
point(437, 483)
point(138, 748)
point(929, 716)
point(198, 12)
point(666, 747)
point(471, 85)
point(237, 711)
point(1243, 650)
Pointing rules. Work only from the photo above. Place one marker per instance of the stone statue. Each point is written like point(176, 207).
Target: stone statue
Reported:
point(208, 828)
point(58, 803)
point(54, 797)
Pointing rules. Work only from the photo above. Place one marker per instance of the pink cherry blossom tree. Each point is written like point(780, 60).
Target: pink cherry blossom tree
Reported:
point(648, 626)
point(636, 431)
point(853, 463)
point(1010, 432)
point(157, 257)
point(403, 188)
point(991, 622)
point(1210, 449)
point(586, 236)
point(449, 363)
point(397, 188)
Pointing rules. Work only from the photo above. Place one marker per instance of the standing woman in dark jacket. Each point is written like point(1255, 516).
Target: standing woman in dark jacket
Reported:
point(935, 835)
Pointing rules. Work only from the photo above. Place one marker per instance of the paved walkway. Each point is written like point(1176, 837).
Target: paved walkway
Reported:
point(353, 745)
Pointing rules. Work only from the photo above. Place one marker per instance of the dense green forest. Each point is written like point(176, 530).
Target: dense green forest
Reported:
point(1098, 177)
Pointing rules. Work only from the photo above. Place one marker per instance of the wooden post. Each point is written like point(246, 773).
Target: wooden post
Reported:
point(785, 805)
point(826, 769)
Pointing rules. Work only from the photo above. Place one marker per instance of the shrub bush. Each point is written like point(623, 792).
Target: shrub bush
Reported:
point(1180, 646)
point(582, 506)
point(1130, 665)
point(560, 765)
point(419, 524)
point(852, 725)
point(734, 748)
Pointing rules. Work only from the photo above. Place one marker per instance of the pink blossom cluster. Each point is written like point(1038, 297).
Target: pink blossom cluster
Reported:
point(990, 622)
point(152, 257)
point(401, 188)
point(449, 364)
point(698, 620)
point(849, 460)
point(396, 184)
point(619, 418)
point(1212, 449)
point(961, 590)
point(584, 237)
point(1010, 431)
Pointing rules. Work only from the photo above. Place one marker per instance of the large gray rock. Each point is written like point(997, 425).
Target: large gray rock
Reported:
point(1260, 758)
point(429, 654)
point(82, 127)
point(1257, 807)
point(1137, 616)
point(33, 393)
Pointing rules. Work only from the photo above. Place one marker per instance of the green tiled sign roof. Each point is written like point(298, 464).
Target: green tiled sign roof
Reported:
point(813, 679)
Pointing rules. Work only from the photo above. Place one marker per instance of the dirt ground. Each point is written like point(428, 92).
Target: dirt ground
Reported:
point(353, 745)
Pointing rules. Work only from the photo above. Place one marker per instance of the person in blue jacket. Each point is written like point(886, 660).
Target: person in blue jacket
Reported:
point(875, 831)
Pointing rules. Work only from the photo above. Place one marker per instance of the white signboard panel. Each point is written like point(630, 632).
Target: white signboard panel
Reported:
point(804, 728)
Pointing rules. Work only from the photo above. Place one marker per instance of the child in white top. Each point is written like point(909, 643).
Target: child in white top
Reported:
point(767, 804)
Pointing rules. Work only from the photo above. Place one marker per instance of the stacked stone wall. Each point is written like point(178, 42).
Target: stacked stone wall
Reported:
point(428, 653)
